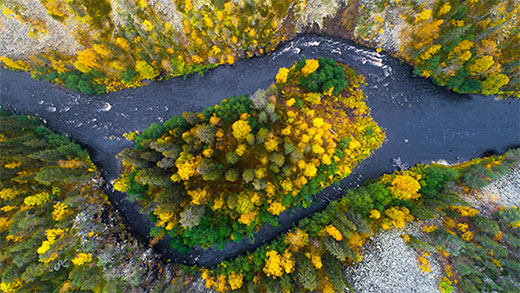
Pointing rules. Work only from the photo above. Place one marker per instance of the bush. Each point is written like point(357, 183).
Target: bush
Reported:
point(129, 75)
point(83, 82)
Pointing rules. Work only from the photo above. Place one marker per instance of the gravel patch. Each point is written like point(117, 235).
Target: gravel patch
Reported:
point(16, 43)
point(313, 13)
point(505, 190)
point(167, 10)
point(395, 32)
point(501, 192)
point(390, 265)
point(198, 286)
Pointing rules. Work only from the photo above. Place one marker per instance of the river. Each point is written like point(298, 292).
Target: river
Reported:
point(423, 122)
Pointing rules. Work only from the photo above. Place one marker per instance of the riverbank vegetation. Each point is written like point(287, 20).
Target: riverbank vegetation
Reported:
point(468, 46)
point(478, 252)
point(57, 229)
point(219, 175)
point(152, 41)
point(476, 248)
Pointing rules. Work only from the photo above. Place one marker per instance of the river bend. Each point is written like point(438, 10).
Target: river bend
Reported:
point(423, 122)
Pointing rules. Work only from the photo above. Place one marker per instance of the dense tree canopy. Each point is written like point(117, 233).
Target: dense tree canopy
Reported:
point(57, 231)
point(468, 46)
point(208, 177)
point(475, 249)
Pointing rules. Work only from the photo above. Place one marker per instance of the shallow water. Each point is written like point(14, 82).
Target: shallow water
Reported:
point(423, 122)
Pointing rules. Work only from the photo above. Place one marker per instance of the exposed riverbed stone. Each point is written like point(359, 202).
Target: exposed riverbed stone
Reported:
point(57, 37)
point(505, 190)
point(390, 265)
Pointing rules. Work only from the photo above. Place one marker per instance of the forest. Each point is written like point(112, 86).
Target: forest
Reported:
point(476, 249)
point(467, 46)
point(205, 178)
point(268, 176)
point(54, 221)
point(58, 231)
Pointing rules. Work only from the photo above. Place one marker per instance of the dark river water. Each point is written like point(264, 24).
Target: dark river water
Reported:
point(423, 122)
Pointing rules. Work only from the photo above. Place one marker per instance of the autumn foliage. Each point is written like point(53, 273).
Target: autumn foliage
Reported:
point(218, 175)
point(467, 46)
point(54, 234)
point(52, 212)
point(127, 42)
point(46, 180)
point(313, 254)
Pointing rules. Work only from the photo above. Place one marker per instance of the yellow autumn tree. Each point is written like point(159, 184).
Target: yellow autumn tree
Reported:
point(123, 44)
point(465, 211)
point(5, 224)
point(281, 76)
point(273, 267)
point(241, 129)
point(277, 264)
point(424, 15)
point(247, 218)
point(493, 83)
point(405, 187)
point(397, 217)
point(334, 232)
point(145, 70)
point(425, 34)
point(56, 8)
point(37, 199)
point(235, 280)
point(82, 258)
point(148, 26)
point(310, 66)
point(60, 211)
point(16, 65)
point(445, 8)
point(8, 193)
point(199, 196)
point(271, 144)
point(480, 65)
point(87, 61)
point(430, 52)
point(296, 239)
point(276, 208)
